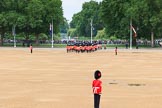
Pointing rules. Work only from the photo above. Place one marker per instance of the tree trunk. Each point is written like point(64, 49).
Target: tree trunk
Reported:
point(27, 40)
point(1, 38)
point(134, 41)
point(152, 39)
point(37, 39)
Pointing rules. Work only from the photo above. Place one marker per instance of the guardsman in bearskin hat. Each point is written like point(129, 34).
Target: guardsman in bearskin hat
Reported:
point(97, 88)
point(31, 48)
point(116, 50)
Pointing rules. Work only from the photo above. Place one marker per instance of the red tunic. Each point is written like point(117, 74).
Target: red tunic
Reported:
point(115, 50)
point(30, 47)
point(96, 85)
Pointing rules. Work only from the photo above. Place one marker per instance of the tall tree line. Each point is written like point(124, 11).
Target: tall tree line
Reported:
point(145, 16)
point(115, 17)
point(30, 16)
point(82, 20)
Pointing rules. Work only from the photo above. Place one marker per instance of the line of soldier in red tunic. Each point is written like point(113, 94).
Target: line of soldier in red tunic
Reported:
point(83, 47)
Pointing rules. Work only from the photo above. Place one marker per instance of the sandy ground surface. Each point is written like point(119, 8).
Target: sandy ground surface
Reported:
point(56, 79)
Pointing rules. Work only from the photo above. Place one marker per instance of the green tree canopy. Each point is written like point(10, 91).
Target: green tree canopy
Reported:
point(30, 16)
point(145, 15)
point(81, 21)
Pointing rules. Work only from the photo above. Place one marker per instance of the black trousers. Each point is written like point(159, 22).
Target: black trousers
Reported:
point(96, 100)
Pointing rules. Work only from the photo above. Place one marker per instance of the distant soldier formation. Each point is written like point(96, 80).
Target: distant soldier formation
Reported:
point(81, 47)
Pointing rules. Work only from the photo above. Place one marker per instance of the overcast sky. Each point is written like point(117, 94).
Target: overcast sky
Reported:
point(71, 7)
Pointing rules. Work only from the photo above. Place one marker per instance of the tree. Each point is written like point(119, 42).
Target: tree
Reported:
point(35, 12)
point(54, 12)
point(64, 26)
point(113, 15)
point(4, 6)
point(81, 21)
point(145, 15)
point(30, 16)
point(153, 17)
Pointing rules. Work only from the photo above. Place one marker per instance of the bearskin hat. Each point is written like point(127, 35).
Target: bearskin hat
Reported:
point(97, 74)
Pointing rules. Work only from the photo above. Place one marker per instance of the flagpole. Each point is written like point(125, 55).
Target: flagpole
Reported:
point(52, 34)
point(131, 33)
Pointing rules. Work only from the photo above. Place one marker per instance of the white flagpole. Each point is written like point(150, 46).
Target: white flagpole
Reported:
point(131, 33)
point(52, 34)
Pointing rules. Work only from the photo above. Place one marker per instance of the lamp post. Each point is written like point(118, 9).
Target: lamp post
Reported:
point(91, 29)
point(52, 34)
point(131, 33)
point(68, 35)
point(13, 33)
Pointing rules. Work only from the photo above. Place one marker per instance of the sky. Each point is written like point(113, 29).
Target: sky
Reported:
point(71, 7)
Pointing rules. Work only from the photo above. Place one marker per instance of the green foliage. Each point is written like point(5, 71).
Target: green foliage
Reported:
point(72, 32)
point(101, 35)
point(43, 36)
point(81, 21)
point(57, 37)
point(115, 16)
point(20, 36)
point(31, 17)
point(64, 26)
point(113, 37)
point(145, 15)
